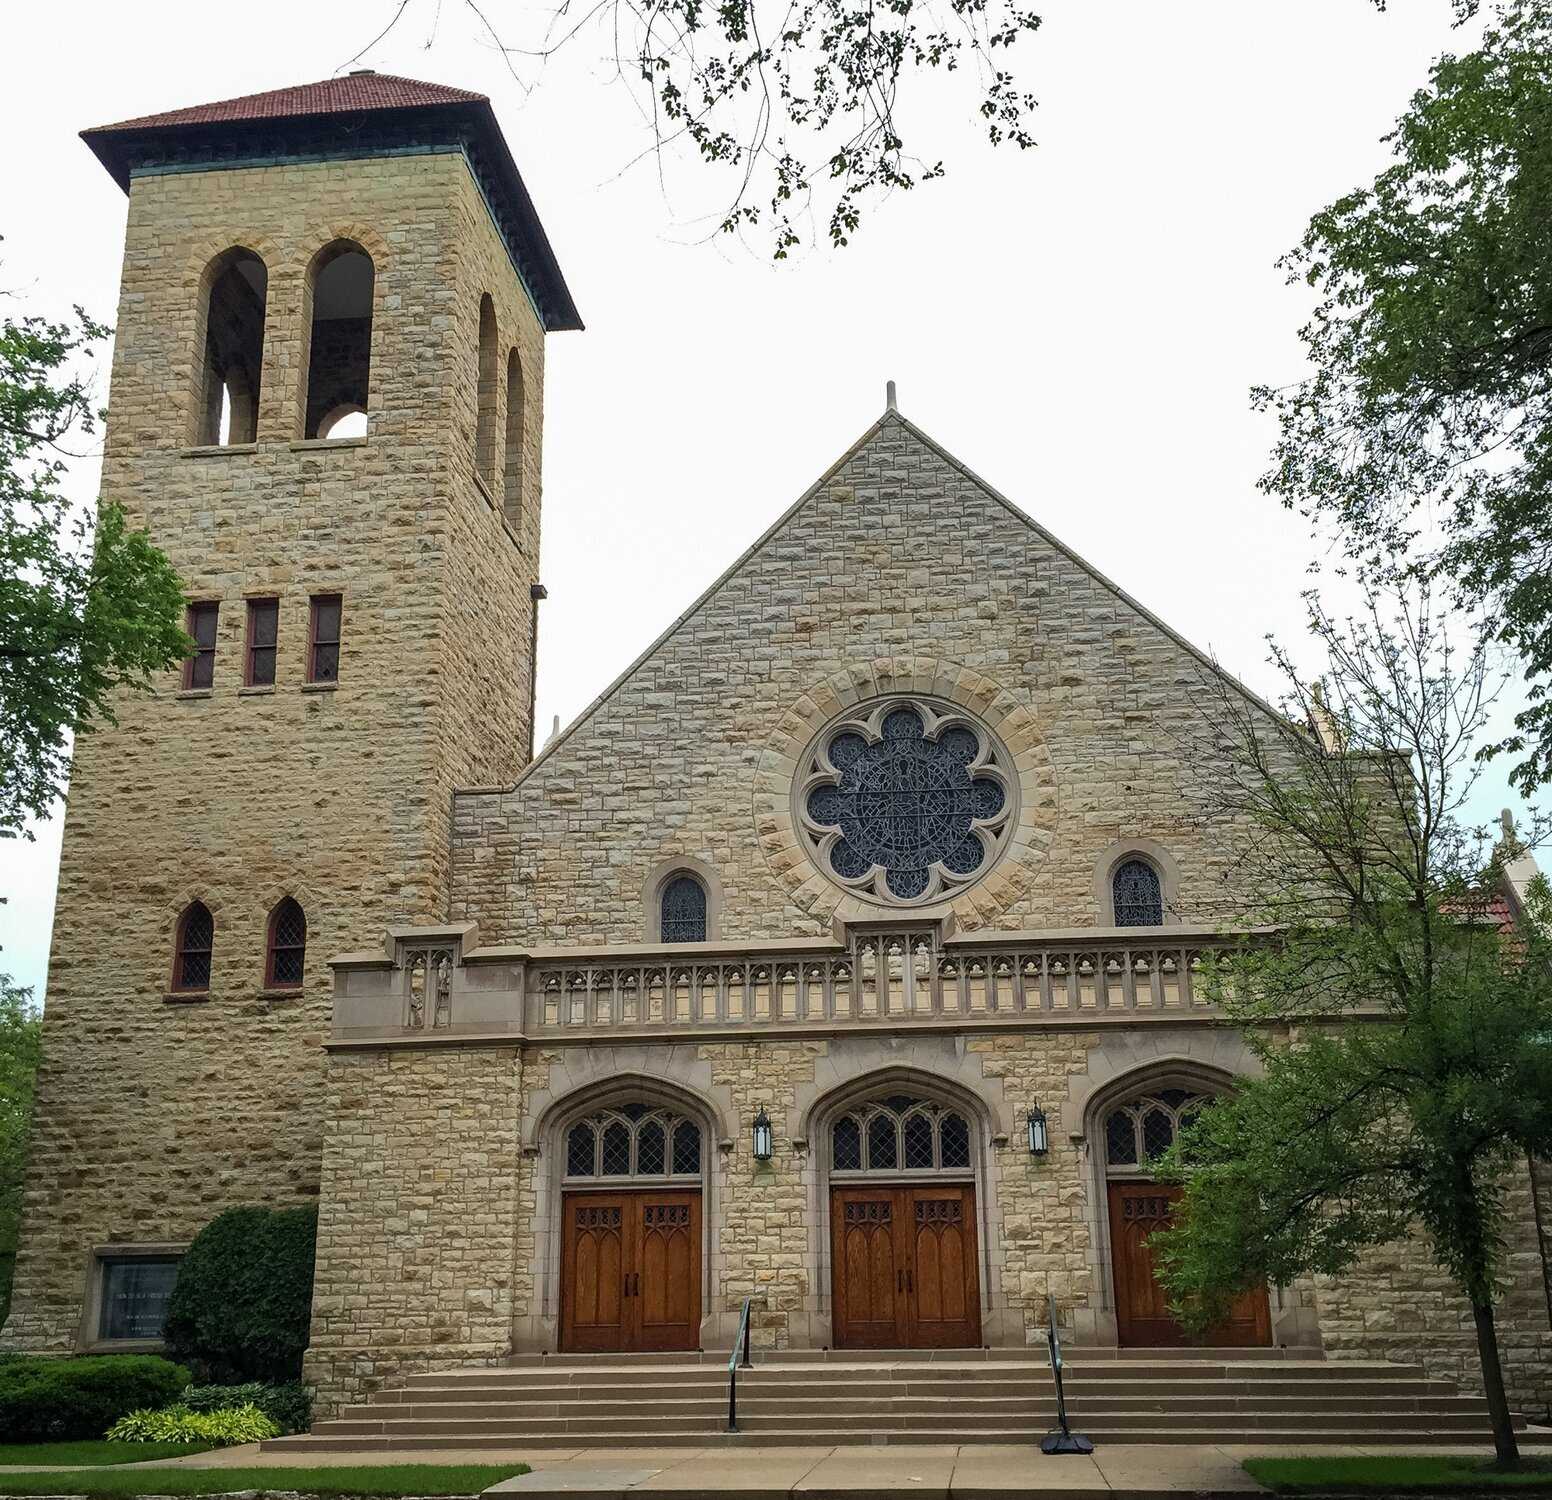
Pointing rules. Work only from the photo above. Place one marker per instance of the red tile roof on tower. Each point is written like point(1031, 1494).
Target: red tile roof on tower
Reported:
point(353, 93)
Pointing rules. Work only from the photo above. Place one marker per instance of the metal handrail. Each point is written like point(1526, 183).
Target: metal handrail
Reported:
point(740, 1342)
point(1064, 1440)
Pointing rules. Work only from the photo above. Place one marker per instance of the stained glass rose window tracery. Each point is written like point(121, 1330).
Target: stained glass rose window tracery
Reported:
point(906, 800)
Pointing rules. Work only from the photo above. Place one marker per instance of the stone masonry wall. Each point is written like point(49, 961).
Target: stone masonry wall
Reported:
point(419, 1200)
point(154, 1115)
point(898, 555)
point(1398, 1303)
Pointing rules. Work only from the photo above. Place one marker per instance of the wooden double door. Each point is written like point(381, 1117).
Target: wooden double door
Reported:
point(1137, 1210)
point(631, 1271)
point(903, 1260)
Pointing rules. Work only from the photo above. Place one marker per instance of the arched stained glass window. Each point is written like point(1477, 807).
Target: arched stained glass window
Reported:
point(193, 947)
point(1136, 895)
point(633, 1140)
point(286, 950)
point(1144, 1128)
point(906, 800)
point(682, 914)
point(900, 1133)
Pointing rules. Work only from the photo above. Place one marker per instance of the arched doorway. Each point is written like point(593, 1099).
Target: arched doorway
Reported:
point(904, 1259)
point(631, 1214)
point(1133, 1132)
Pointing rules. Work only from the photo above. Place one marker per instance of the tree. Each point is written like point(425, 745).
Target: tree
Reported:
point(21, 1029)
point(84, 610)
point(1423, 437)
point(796, 100)
point(1406, 1040)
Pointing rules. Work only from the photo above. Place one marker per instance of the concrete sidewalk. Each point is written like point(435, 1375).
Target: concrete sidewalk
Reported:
point(941, 1472)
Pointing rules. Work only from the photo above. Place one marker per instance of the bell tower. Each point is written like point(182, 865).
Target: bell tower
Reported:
point(327, 409)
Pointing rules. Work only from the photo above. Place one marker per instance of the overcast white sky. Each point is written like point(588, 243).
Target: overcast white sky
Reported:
point(1079, 323)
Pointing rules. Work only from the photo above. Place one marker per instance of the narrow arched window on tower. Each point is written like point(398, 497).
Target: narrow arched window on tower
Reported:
point(682, 915)
point(231, 356)
point(1136, 895)
point(512, 497)
point(340, 285)
point(193, 945)
point(286, 948)
point(485, 415)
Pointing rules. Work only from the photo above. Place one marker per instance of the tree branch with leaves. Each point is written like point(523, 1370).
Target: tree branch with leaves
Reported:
point(1405, 1032)
point(88, 606)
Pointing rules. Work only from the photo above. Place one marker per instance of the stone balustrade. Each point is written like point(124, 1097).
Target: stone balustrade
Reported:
point(439, 984)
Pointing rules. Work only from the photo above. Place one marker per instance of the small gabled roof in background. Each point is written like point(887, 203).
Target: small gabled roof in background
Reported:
point(363, 109)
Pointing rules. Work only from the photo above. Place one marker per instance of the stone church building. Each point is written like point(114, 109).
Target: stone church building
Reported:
point(843, 954)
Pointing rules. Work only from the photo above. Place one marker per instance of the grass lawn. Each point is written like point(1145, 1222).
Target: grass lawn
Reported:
point(385, 1479)
point(71, 1455)
point(1394, 1476)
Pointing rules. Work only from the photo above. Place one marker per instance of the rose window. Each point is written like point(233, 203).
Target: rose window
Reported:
point(906, 800)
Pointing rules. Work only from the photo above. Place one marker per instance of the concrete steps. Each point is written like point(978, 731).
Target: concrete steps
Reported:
point(955, 1396)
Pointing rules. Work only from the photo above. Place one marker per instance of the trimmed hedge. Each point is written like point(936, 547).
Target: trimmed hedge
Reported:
point(242, 1303)
point(289, 1406)
point(65, 1400)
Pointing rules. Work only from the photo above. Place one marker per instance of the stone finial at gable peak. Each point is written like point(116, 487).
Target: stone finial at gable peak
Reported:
point(889, 397)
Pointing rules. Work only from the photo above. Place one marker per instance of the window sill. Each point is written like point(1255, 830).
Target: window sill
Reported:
point(253, 689)
point(484, 489)
point(121, 1346)
point(320, 687)
point(186, 997)
point(218, 450)
point(291, 992)
point(195, 693)
point(309, 445)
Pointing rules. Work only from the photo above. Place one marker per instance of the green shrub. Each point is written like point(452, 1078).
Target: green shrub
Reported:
point(243, 1299)
point(63, 1400)
point(177, 1424)
point(289, 1406)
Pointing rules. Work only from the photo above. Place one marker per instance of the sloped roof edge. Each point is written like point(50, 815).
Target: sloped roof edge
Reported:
point(792, 510)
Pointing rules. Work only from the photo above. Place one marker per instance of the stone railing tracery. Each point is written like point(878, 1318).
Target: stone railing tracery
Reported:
point(435, 984)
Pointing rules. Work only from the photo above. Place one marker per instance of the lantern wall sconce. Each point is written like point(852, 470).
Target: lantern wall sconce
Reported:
point(1039, 1135)
point(761, 1132)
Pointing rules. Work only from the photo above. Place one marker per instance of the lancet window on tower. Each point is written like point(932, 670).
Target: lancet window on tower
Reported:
point(485, 413)
point(339, 358)
point(232, 350)
point(512, 479)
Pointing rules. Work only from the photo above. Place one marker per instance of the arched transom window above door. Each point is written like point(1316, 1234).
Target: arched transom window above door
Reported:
point(899, 1133)
point(1144, 1128)
point(905, 800)
point(633, 1140)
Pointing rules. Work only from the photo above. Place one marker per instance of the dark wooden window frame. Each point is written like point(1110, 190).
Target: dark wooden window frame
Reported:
point(272, 947)
point(258, 606)
point(203, 662)
point(181, 950)
point(314, 640)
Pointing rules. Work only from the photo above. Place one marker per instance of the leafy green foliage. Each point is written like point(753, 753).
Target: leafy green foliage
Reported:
point(21, 1030)
point(242, 1303)
point(288, 1405)
point(84, 610)
point(1406, 1039)
point(794, 101)
point(48, 1400)
point(177, 1424)
point(1423, 438)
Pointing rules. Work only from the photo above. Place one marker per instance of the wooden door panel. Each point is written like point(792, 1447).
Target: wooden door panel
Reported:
point(667, 1311)
point(631, 1271)
point(1137, 1210)
point(942, 1280)
point(868, 1278)
point(593, 1270)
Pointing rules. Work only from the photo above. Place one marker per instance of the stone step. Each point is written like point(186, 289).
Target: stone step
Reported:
point(1074, 1354)
point(644, 1403)
point(1284, 1434)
